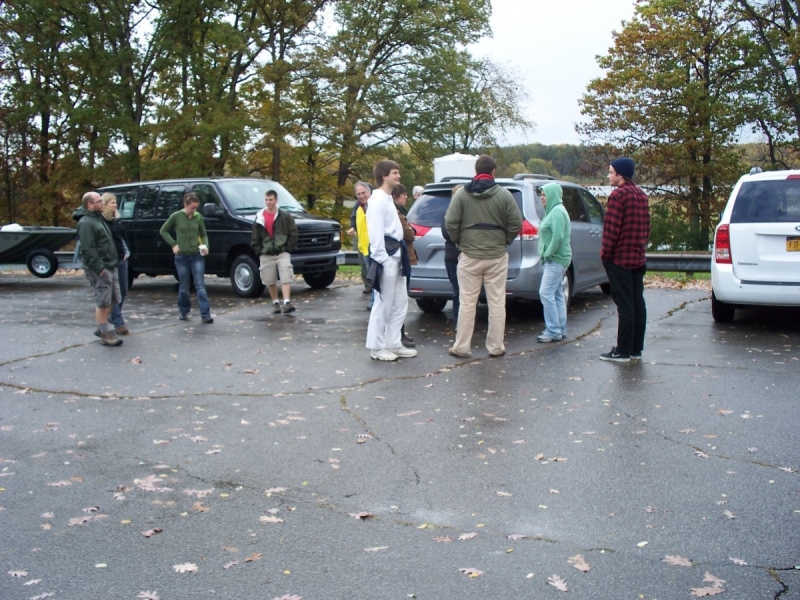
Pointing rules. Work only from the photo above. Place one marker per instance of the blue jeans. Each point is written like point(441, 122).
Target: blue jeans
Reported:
point(192, 266)
point(452, 275)
point(553, 300)
point(115, 318)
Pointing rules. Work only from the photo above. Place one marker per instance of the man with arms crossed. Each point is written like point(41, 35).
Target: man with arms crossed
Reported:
point(388, 254)
point(482, 220)
point(625, 231)
point(99, 257)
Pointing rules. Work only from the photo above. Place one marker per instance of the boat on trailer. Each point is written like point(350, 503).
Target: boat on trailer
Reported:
point(35, 246)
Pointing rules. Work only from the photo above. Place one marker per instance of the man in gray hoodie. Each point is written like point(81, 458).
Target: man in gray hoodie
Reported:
point(482, 219)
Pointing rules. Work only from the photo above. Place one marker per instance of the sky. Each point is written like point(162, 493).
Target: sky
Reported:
point(553, 46)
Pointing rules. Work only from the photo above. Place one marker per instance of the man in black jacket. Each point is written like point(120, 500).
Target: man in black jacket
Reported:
point(274, 236)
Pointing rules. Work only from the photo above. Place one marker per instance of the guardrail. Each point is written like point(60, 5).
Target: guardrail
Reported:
point(682, 263)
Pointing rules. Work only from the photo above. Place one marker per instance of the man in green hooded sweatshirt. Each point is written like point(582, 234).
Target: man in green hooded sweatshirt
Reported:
point(556, 254)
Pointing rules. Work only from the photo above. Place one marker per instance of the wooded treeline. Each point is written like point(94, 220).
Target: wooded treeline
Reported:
point(311, 92)
point(306, 92)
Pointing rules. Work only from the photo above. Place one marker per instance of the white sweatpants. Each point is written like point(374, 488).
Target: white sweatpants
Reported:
point(389, 309)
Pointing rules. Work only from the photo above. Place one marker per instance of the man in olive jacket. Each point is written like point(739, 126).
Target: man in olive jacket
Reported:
point(99, 257)
point(482, 219)
point(274, 236)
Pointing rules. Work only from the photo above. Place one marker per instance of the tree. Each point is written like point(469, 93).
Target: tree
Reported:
point(674, 96)
point(775, 109)
point(375, 68)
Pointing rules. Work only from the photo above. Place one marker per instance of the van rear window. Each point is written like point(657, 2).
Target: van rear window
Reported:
point(429, 208)
point(775, 201)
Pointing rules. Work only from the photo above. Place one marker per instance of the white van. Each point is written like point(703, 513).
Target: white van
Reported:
point(756, 258)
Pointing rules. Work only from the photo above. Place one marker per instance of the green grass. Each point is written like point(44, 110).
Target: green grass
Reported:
point(682, 276)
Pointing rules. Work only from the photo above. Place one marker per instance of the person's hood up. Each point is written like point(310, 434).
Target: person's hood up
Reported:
point(79, 213)
point(554, 193)
point(479, 185)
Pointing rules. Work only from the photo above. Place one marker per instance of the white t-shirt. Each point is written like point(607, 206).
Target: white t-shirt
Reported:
point(382, 220)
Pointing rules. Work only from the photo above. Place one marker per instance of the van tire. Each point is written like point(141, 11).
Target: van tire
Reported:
point(245, 278)
point(321, 280)
point(722, 311)
point(42, 263)
point(431, 306)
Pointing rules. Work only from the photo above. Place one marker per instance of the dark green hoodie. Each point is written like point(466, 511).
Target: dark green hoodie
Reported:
point(555, 228)
point(97, 244)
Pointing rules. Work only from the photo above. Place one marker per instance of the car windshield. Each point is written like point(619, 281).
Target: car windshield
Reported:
point(776, 201)
point(246, 196)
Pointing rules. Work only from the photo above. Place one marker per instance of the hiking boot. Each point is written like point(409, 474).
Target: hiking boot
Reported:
point(453, 352)
point(288, 307)
point(208, 320)
point(383, 354)
point(616, 356)
point(403, 352)
point(109, 338)
point(276, 308)
point(122, 330)
point(97, 333)
point(183, 317)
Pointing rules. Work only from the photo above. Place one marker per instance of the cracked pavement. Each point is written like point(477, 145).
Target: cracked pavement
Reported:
point(277, 458)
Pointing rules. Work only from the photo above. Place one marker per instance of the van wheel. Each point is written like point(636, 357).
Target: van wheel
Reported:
point(431, 306)
point(722, 311)
point(319, 281)
point(42, 263)
point(245, 279)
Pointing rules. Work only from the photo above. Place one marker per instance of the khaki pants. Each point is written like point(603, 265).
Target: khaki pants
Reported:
point(473, 273)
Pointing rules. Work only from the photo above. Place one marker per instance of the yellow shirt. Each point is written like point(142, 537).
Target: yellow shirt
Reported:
point(361, 231)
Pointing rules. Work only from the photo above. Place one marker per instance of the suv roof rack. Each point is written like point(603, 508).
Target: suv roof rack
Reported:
point(454, 178)
point(519, 176)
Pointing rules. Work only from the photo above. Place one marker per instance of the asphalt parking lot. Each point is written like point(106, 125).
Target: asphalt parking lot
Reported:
point(265, 456)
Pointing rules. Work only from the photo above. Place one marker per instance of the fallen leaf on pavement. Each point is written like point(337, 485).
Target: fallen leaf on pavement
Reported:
point(185, 568)
point(677, 561)
point(579, 563)
point(467, 536)
point(152, 532)
point(469, 572)
point(557, 583)
point(253, 557)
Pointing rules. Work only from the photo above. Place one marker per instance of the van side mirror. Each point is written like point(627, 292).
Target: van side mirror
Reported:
point(212, 210)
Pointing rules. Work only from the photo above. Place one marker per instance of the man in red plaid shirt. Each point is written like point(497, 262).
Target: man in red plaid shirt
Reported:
point(625, 232)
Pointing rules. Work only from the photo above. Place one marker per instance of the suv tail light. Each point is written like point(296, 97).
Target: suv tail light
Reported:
point(420, 229)
point(722, 246)
point(529, 232)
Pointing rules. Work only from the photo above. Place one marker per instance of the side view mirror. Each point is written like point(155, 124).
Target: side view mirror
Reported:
point(212, 210)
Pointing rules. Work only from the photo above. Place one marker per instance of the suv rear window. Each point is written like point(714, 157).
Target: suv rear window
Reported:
point(776, 201)
point(428, 210)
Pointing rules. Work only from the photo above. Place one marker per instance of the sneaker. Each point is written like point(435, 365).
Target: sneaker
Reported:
point(122, 330)
point(109, 338)
point(383, 354)
point(453, 352)
point(288, 307)
point(546, 339)
point(183, 317)
point(407, 342)
point(616, 356)
point(497, 354)
point(276, 308)
point(208, 320)
point(636, 356)
point(403, 352)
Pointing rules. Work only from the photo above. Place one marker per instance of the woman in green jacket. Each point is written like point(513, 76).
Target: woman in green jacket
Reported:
point(556, 254)
point(190, 249)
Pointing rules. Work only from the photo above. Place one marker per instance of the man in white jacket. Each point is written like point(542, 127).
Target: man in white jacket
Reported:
point(388, 252)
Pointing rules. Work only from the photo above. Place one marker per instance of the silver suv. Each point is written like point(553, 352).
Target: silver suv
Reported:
point(429, 284)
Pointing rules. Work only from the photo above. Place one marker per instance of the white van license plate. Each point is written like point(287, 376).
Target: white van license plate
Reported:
point(340, 258)
point(793, 244)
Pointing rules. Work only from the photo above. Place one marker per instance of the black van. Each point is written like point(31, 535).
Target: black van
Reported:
point(229, 206)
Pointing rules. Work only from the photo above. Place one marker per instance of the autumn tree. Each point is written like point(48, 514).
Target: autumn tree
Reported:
point(775, 106)
point(674, 96)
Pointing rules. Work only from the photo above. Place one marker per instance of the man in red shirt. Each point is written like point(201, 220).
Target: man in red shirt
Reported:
point(625, 232)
